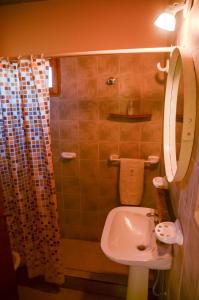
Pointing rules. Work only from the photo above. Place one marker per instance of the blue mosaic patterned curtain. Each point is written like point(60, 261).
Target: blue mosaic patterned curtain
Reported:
point(26, 166)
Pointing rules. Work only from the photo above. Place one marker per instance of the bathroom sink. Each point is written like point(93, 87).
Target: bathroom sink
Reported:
point(129, 238)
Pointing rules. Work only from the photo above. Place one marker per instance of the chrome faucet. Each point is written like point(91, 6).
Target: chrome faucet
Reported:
point(156, 217)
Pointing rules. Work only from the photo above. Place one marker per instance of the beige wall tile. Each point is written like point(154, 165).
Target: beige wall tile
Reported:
point(148, 194)
point(152, 86)
point(72, 217)
point(153, 104)
point(90, 199)
point(108, 170)
point(71, 231)
point(106, 149)
point(129, 150)
point(87, 88)
point(130, 132)
point(109, 131)
point(130, 86)
point(102, 218)
point(55, 146)
point(54, 108)
point(90, 225)
point(55, 130)
point(88, 110)
point(70, 184)
point(88, 150)
point(67, 110)
point(89, 184)
point(89, 168)
point(68, 68)
point(108, 64)
point(149, 148)
point(69, 168)
point(86, 66)
point(72, 201)
point(108, 193)
point(130, 64)
point(151, 132)
point(68, 130)
point(88, 130)
point(89, 233)
point(69, 88)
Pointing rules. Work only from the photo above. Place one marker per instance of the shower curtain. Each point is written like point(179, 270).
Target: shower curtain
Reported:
point(26, 168)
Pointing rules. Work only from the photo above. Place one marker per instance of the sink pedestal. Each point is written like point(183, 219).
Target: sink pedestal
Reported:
point(129, 238)
point(137, 283)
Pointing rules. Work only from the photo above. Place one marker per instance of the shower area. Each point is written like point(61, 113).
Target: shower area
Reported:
point(86, 120)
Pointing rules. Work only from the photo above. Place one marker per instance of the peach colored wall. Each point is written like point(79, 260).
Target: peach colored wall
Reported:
point(59, 26)
point(183, 281)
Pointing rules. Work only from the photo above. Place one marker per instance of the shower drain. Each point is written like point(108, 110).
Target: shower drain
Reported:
point(141, 247)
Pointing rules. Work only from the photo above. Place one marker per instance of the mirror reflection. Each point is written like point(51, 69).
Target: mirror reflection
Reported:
point(179, 116)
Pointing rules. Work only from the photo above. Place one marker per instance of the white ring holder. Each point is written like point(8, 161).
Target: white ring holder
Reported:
point(181, 63)
point(169, 232)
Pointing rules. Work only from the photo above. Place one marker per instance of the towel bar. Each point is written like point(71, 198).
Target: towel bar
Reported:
point(152, 159)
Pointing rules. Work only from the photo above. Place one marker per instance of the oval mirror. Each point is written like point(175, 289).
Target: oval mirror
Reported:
point(181, 90)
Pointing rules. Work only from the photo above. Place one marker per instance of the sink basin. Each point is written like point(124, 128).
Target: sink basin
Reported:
point(128, 238)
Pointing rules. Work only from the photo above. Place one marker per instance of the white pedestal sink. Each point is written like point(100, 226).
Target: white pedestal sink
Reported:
point(128, 238)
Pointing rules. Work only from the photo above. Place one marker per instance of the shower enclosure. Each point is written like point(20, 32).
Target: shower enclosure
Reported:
point(87, 186)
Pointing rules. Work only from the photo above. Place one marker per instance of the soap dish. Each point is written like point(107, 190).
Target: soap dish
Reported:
point(160, 183)
point(169, 232)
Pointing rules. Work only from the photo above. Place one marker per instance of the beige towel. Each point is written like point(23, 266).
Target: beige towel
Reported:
point(131, 180)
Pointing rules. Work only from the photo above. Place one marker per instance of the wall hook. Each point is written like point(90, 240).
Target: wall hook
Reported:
point(163, 69)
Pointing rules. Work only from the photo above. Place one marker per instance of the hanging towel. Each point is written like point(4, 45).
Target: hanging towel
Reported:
point(131, 180)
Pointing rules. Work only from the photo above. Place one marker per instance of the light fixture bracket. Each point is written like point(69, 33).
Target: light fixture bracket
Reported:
point(175, 8)
point(166, 20)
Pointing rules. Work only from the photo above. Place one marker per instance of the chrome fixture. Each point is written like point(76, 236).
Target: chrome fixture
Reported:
point(111, 81)
point(155, 216)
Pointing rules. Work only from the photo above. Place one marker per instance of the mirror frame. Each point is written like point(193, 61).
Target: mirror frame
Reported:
point(181, 63)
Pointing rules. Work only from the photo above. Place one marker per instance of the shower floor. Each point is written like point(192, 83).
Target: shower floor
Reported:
point(85, 259)
point(89, 274)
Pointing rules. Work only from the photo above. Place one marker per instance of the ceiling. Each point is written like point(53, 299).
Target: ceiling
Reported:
point(6, 2)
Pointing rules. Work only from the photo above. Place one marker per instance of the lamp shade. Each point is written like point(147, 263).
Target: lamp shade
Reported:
point(166, 21)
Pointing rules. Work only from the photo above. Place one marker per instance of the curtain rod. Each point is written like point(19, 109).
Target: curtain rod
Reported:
point(117, 51)
point(99, 52)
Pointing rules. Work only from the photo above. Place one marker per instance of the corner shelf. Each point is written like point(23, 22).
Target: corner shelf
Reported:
point(125, 117)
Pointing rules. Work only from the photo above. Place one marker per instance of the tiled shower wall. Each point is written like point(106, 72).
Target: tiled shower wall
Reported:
point(87, 187)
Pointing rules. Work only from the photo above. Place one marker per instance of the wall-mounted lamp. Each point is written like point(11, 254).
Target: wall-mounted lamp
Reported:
point(166, 20)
